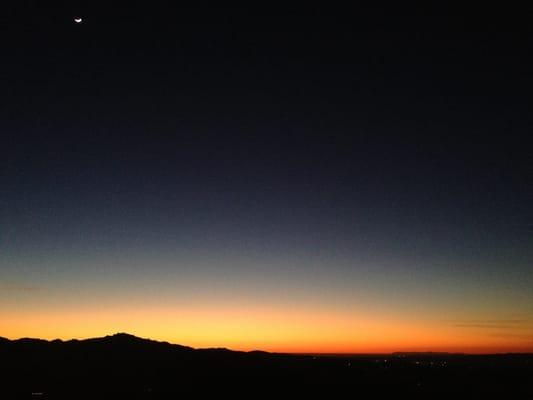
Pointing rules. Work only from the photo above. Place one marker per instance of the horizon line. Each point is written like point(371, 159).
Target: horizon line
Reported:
point(303, 353)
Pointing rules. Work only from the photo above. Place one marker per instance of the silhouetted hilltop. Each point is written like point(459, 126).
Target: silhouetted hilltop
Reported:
point(127, 341)
point(126, 366)
point(118, 339)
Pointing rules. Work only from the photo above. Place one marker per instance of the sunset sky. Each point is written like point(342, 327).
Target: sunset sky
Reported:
point(313, 180)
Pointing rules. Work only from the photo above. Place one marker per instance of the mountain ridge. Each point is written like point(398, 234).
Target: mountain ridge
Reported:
point(121, 338)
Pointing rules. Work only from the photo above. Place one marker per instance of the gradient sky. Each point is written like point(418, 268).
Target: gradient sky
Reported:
point(349, 180)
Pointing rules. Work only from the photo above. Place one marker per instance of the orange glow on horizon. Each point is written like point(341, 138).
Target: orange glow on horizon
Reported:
point(269, 329)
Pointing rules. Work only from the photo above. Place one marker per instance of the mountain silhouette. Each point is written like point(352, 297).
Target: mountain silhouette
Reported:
point(126, 366)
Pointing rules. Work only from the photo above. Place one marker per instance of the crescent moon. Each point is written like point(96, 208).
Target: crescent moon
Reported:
point(78, 20)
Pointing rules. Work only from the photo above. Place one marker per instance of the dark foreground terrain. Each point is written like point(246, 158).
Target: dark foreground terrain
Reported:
point(124, 366)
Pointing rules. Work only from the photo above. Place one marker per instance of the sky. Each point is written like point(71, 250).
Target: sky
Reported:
point(301, 180)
